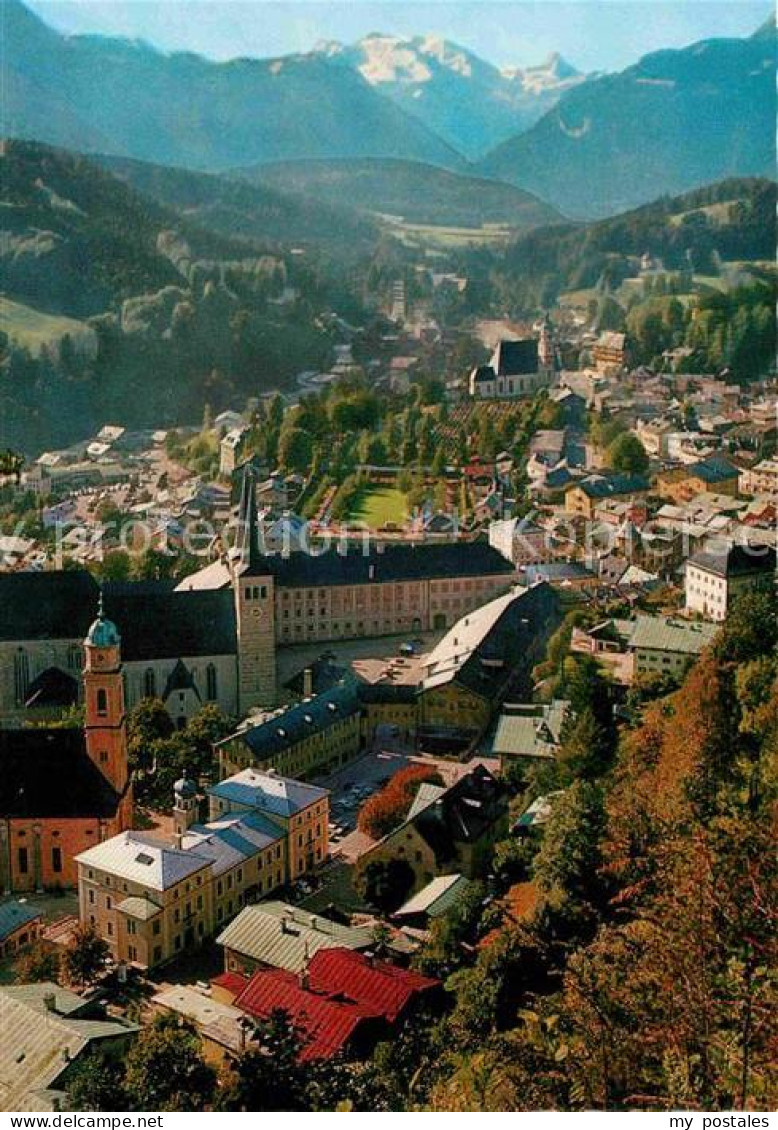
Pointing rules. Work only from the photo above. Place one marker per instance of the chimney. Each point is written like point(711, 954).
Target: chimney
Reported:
point(284, 925)
point(304, 979)
point(50, 1002)
point(308, 682)
point(178, 841)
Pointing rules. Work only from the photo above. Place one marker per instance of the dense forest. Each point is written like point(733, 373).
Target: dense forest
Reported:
point(730, 220)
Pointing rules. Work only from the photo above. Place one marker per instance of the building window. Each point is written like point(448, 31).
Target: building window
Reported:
point(109, 929)
point(21, 675)
point(211, 684)
point(23, 860)
point(102, 701)
point(132, 953)
point(56, 859)
point(156, 926)
point(149, 683)
point(131, 927)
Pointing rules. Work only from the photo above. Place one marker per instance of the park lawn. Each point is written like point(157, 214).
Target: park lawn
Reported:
point(376, 505)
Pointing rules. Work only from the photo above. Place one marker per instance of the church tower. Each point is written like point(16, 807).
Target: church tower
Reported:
point(254, 588)
point(185, 807)
point(546, 345)
point(105, 720)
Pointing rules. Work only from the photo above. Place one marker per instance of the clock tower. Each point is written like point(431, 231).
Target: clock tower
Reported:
point(254, 587)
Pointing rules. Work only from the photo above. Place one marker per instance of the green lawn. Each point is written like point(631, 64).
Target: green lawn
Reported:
point(35, 329)
point(377, 505)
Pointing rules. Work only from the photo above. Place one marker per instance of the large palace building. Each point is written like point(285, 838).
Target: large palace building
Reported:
point(213, 637)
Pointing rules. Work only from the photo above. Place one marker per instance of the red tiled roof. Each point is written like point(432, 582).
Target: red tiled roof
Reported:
point(328, 1024)
point(234, 983)
point(383, 988)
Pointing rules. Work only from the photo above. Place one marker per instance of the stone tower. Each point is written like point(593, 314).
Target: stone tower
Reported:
point(105, 722)
point(546, 345)
point(254, 588)
point(185, 809)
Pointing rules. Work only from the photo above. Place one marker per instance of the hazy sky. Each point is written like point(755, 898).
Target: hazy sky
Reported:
point(592, 34)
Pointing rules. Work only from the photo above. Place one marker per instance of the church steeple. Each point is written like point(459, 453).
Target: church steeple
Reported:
point(254, 588)
point(546, 352)
point(249, 552)
point(104, 714)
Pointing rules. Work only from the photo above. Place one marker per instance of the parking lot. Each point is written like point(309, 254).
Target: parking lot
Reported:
point(352, 784)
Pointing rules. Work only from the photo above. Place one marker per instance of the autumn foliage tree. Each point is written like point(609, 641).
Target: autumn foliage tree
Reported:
point(388, 808)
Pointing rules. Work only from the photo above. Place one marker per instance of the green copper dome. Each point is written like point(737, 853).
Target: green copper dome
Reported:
point(103, 633)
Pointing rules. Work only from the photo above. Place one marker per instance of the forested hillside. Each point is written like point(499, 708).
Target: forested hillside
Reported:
point(255, 211)
point(173, 314)
point(417, 192)
point(674, 120)
point(642, 977)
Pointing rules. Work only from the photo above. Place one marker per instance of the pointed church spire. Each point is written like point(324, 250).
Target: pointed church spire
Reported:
point(250, 553)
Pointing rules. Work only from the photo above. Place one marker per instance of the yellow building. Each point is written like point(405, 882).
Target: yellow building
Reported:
point(313, 737)
point(151, 899)
point(300, 810)
point(446, 830)
point(586, 495)
point(715, 475)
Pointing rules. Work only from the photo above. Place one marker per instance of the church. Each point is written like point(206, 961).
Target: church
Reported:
point(63, 790)
point(516, 369)
point(213, 637)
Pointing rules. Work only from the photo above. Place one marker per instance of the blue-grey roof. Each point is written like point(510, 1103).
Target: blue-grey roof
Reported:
point(532, 731)
point(439, 895)
point(230, 840)
point(15, 914)
point(285, 728)
point(736, 561)
point(715, 469)
point(287, 937)
point(660, 633)
point(605, 486)
point(37, 1045)
point(103, 633)
point(268, 792)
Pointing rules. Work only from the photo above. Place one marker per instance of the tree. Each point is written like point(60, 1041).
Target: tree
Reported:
point(96, 1082)
point(295, 450)
point(147, 723)
point(85, 959)
point(567, 862)
point(386, 883)
point(166, 1070)
point(116, 566)
point(628, 455)
point(387, 808)
point(40, 962)
point(269, 1075)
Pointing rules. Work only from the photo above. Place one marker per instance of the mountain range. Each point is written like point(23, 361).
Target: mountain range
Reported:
point(465, 100)
point(116, 96)
point(589, 146)
point(675, 120)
